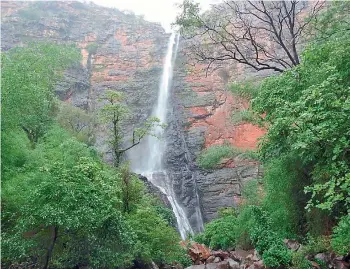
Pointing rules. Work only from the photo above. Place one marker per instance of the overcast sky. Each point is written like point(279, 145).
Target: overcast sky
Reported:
point(163, 11)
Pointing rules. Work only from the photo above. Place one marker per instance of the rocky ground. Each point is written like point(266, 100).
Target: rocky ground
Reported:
point(204, 258)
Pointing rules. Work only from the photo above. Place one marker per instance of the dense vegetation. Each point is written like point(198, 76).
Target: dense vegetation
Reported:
point(61, 205)
point(305, 191)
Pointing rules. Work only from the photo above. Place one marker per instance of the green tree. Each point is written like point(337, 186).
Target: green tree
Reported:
point(65, 196)
point(28, 77)
point(113, 113)
point(77, 121)
point(155, 239)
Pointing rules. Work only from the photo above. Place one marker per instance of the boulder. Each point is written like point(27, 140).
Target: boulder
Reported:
point(325, 257)
point(222, 254)
point(217, 260)
point(198, 252)
point(223, 265)
point(257, 265)
point(240, 254)
point(233, 264)
point(292, 244)
point(210, 259)
point(253, 257)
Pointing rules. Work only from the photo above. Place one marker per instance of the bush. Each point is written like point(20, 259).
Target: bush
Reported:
point(299, 261)
point(285, 198)
point(246, 89)
point(210, 158)
point(220, 233)
point(341, 236)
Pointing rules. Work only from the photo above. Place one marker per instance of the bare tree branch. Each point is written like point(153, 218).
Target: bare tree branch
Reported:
point(264, 35)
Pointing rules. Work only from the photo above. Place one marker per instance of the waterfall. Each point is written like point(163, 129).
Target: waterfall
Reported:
point(153, 169)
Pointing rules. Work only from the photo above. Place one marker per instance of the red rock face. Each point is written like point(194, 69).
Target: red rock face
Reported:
point(216, 116)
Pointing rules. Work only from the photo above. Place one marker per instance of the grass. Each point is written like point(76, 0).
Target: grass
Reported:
point(211, 157)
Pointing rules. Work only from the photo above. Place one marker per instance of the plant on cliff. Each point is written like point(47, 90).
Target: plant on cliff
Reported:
point(113, 113)
point(211, 157)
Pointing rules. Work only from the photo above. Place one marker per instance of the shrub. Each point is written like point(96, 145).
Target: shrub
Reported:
point(220, 233)
point(299, 261)
point(316, 245)
point(246, 89)
point(267, 242)
point(210, 158)
point(285, 198)
point(341, 236)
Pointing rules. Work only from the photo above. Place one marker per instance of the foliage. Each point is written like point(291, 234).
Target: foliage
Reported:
point(341, 236)
point(251, 192)
point(77, 121)
point(155, 240)
point(285, 199)
point(299, 261)
point(246, 89)
point(210, 158)
point(220, 233)
point(334, 21)
point(132, 189)
point(166, 214)
point(307, 115)
point(113, 113)
point(65, 188)
point(62, 207)
point(245, 115)
point(28, 78)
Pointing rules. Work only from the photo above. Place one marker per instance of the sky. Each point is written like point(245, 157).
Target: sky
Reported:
point(163, 11)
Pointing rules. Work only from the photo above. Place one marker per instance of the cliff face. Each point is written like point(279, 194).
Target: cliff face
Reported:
point(129, 57)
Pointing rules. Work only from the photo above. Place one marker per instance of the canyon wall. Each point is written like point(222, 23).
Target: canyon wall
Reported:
point(129, 57)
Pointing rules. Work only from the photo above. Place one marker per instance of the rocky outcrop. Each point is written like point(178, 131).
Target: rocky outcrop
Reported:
point(128, 57)
point(204, 258)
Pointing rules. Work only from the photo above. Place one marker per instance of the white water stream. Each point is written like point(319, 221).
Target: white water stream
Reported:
point(154, 170)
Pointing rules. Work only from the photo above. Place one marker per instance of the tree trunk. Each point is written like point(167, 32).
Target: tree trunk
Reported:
point(50, 249)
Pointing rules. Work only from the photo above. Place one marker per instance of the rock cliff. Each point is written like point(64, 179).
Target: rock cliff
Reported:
point(123, 52)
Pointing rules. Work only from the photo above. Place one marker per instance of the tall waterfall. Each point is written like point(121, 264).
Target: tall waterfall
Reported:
point(154, 168)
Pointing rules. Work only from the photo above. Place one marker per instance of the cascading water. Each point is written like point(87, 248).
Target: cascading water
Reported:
point(154, 168)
